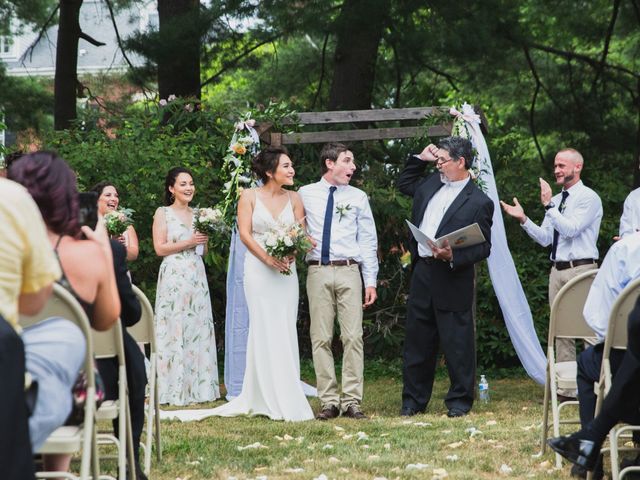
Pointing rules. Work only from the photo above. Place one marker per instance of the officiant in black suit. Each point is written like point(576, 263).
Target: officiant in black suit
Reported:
point(439, 309)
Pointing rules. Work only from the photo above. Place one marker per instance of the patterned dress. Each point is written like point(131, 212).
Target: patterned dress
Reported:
point(187, 358)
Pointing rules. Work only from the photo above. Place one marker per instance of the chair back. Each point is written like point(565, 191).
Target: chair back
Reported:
point(63, 304)
point(109, 343)
point(567, 320)
point(144, 331)
point(617, 329)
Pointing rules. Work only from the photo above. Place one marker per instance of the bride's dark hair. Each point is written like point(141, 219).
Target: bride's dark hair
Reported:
point(267, 162)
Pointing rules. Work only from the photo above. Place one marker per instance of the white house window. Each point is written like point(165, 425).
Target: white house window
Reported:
point(6, 46)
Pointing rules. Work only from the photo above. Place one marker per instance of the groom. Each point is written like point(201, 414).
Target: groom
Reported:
point(339, 218)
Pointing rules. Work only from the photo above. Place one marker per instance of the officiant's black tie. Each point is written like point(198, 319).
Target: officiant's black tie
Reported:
point(556, 234)
point(326, 229)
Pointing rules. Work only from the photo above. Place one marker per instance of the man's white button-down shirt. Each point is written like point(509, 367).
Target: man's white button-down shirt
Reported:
point(436, 208)
point(578, 225)
point(620, 266)
point(353, 230)
point(630, 220)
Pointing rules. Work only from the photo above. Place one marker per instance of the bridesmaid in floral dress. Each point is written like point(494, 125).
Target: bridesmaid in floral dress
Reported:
point(187, 360)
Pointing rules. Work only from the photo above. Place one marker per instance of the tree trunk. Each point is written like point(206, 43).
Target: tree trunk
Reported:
point(359, 31)
point(179, 68)
point(66, 78)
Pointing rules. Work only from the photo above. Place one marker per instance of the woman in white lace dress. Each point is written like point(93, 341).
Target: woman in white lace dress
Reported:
point(187, 358)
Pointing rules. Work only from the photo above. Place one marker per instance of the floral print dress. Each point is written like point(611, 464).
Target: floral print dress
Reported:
point(187, 358)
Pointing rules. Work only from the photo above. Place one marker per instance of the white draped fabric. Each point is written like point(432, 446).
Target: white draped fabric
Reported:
point(504, 277)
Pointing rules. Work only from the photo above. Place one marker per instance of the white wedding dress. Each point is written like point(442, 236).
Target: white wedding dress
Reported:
point(271, 385)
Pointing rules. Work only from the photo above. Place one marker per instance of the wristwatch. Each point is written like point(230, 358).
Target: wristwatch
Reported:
point(549, 206)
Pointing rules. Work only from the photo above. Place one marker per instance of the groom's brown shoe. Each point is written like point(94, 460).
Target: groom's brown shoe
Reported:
point(353, 411)
point(328, 412)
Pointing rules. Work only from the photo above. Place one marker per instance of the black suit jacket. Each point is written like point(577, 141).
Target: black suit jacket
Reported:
point(452, 287)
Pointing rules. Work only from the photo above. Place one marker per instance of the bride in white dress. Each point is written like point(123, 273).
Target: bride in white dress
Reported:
point(271, 385)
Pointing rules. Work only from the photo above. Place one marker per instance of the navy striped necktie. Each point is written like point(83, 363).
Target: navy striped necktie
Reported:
point(326, 228)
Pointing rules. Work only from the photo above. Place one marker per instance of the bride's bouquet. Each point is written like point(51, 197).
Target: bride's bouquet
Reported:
point(209, 221)
point(117, 221)
point(285, 240)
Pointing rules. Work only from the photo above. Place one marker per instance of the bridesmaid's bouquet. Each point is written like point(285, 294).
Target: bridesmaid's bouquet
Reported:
point(117, 221)
point(285, 240)
point(209, 221)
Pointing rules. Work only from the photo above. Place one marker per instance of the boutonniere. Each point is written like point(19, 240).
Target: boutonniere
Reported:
point(342, 209)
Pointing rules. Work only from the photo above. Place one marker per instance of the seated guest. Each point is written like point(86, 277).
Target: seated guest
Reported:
point(136, 374)
point(621, 404)
point(620, 266)
point(52, 184)
point(28, 268)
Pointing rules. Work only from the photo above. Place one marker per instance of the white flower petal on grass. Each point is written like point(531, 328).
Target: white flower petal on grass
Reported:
point(322, 476)
point(387, 446)
point(195, 462)
point(294, 470)
point(452, 458)
point(529, 427)
point(473, 431)
point(343, 470)
point(362, 436)
point(365, 446)
point(333, 460)
point(407, 422)
point(491, 422)
point(439, 473)
point(252, 446)
point(506, 469)
point(446, 432)
point(422, 424)
point(455, 445)
point(338, 428)
point(384, 435)
point(328, 446)
point(537, 455)
point(278, 437)
point(287, 437)
point(347, 437)
point(417, 466)
point(379, 478)
point(260, 477)
point(373, 457)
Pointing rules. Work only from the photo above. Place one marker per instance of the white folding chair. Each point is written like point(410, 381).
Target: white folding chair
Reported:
point(144, 333)
point(68, 439)
point(567, 321)
point(109, 344)
point(616, 337)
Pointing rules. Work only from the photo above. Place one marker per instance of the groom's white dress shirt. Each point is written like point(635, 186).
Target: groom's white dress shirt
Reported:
point(578, 225)
point(353, 233)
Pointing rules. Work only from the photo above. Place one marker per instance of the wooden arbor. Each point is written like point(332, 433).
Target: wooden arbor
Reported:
point(369, 117)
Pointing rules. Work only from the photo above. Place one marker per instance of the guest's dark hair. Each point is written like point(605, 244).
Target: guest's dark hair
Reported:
point(331, 151)
point(100, 186)
point(52, 184)
point(9, 158)
point(458, 147)
point(267, 162)
point(170, 181)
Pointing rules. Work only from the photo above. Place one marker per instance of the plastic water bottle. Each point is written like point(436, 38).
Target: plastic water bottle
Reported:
point(483, 389)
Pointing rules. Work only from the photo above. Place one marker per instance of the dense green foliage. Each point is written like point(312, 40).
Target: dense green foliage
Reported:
point(546, 74)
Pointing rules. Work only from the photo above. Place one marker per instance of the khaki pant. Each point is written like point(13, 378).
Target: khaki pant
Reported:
point(336, 290)
point(565, 348)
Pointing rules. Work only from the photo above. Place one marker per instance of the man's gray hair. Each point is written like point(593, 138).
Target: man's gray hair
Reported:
point(458, 147)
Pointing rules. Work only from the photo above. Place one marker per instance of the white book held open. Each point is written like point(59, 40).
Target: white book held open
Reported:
point(461, 238)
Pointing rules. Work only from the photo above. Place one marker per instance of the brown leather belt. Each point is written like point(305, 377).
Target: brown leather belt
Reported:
point(574, 263)
point(335, 263)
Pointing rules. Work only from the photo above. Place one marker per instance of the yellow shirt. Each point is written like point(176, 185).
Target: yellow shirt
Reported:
point(27, 260)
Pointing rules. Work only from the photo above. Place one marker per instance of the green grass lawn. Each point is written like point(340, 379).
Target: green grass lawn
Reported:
point(497, 440)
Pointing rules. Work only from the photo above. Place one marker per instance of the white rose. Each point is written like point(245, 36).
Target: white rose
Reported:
point(271, 240)
point(287, 241)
